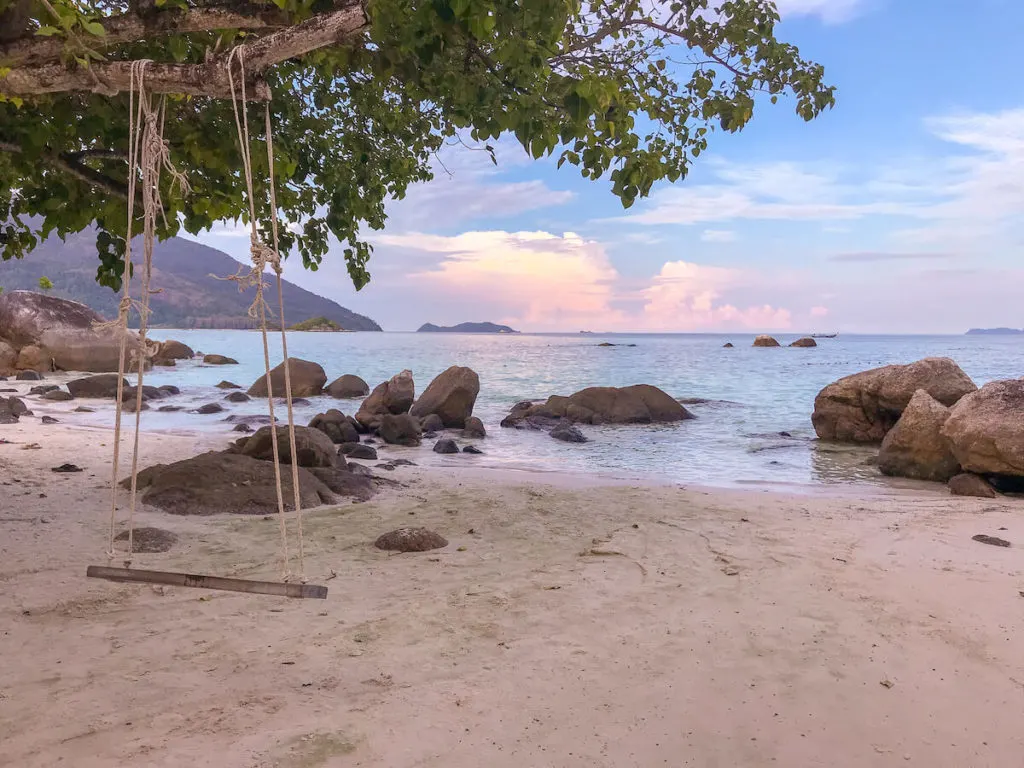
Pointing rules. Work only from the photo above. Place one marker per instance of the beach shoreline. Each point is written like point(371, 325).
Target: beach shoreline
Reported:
point(566, 624)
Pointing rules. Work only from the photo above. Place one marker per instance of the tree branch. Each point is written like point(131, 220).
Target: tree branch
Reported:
point(35, 50)
point(210, 79)
point(70, 164)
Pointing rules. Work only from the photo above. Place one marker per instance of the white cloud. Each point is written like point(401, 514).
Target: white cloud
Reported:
point(687, 296)
point(543, 281)
point(718, 236)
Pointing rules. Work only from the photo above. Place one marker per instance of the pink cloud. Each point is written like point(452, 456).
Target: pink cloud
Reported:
point(819, 311)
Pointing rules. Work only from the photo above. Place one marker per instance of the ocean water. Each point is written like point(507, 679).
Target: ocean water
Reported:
point(753, 394)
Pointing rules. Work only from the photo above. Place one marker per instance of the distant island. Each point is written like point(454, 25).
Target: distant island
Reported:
point(189, 297)
point(995, 332)
point(318, 324)
point(466, 328)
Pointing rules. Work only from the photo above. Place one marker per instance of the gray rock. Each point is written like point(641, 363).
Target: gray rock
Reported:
point(237, 397)
point(446, 445)
point(358, 451)
point(411, 540)
point(568, 434)
point(210, 408)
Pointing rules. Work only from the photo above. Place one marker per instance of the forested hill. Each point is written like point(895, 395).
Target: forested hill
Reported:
point(188, 297)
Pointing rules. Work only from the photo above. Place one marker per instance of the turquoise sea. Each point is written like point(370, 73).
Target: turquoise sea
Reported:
point(753, 394)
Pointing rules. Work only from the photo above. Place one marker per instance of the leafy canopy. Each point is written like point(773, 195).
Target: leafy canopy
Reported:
point(622, 90)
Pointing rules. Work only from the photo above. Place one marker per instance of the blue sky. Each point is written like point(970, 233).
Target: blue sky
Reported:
point(898, 211)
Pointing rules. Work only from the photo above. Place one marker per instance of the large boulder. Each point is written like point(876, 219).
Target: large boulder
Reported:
point(985, 429)
point(766, 341)
point(8, 358)
point(34, 358)
point(102, 385)
point(173, 350)
point(451, 395)
point(344, 482)
point(307, 379)
point(64, 331)
point(220, 482)
point(394, 396)
point(312, 447)
point(863, 407)
point(806, 341)
point(399, 429)
point(638, 404)
point(347, 387)
point(915, 447)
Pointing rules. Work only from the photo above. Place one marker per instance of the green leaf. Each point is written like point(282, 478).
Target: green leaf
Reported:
point(47, 31)
point(94, 28)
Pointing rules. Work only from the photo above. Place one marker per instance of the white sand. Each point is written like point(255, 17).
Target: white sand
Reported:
point(578, 625)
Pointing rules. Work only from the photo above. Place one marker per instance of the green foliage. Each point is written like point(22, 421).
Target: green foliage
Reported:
point(604, 87)
point(45, 284)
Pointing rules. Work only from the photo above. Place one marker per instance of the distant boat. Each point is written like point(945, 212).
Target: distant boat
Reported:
point(824, 335)
point(586, 331)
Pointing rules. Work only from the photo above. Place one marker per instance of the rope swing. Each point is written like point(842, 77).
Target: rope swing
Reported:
point(149, 155)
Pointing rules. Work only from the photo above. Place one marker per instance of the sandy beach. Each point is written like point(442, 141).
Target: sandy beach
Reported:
point(569, 623)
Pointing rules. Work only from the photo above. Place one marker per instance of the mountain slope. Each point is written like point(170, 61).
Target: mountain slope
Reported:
point(189, 297)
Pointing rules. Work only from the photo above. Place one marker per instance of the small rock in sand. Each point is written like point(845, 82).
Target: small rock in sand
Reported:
point(66, 468)
point(149, 539)
point(49, 420)
point(84, 409)
point(472, 449)
point(995, 541)
point(411, 540)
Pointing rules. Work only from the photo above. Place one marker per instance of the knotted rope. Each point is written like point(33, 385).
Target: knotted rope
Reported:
point(263, 256)
point(148, 155)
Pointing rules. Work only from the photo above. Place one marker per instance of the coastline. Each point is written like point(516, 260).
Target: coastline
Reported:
point(566, 624)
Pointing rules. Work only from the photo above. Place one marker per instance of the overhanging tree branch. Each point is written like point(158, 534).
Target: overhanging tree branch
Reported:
point(210, 79)
point(34, 50)
point(69, 163)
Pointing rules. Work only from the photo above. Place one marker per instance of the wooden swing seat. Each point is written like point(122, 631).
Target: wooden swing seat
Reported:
point(279, 588)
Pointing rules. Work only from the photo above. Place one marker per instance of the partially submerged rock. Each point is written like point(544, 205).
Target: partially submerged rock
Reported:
point(766, 341)
point(806, 341)
point(411, 540)
point(638, 404)
point(173, 350)
point(104, 385)
point(568, 434)
point(863, 407)
point(347, 387)
point(394, 396)
point(228, 385)
point(985, 429)
point(451, 396)
point(915, 447)
point(307, 379)
point(431, 423)
point(446, 445)
point(219, 360)
point(401, 429)
point(225, 483)
point(474, 429)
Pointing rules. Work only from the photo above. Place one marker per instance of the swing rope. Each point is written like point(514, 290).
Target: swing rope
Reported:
point(148, 154)
point(263, 255)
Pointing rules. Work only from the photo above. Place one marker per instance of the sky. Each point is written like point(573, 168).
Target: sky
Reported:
point(899, 211)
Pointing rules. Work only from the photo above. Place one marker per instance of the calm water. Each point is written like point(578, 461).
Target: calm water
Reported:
point(755, 394)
